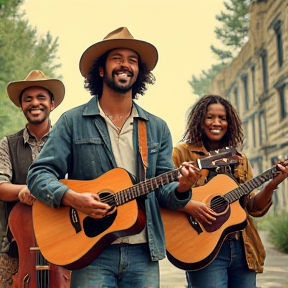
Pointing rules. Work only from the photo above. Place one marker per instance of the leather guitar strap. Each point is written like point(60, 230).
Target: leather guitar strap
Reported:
point(143, 147)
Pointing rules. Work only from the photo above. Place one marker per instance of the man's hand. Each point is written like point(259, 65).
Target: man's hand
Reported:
point(189, 176)
point(87, 203)
point(25, 196)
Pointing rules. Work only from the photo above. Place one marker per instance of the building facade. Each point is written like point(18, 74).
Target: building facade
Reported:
point(256, 84)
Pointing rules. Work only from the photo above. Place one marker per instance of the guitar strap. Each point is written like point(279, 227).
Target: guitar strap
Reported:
point(143, 146)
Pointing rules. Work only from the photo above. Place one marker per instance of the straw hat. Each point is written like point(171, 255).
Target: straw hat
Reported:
point(119, 38)
point(36, 78)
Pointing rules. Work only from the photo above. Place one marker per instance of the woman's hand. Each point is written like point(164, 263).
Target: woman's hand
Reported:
point(200, 212)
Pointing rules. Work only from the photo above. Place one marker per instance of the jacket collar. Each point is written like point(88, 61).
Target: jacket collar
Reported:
point(92, 109)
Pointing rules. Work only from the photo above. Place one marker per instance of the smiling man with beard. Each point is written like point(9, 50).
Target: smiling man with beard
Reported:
point(37, 96)
point(100, 136)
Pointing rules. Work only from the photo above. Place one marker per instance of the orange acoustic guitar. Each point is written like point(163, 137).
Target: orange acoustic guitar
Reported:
point(69, 238)
point(192, 246)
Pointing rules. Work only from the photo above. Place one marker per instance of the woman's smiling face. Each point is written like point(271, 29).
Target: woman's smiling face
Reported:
point(215, 123)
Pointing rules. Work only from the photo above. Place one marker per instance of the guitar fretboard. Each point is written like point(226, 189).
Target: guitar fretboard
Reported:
point(145, 187)
point(248, 187)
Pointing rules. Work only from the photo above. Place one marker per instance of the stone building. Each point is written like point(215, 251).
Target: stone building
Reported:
point(256, 84)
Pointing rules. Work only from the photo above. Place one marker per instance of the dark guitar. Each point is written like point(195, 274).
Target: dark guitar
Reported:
point(192, 246)
point(34, 271)
point(71, 239)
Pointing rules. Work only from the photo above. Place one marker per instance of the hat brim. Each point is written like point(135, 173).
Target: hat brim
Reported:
point(147, 52)
point(55, 86)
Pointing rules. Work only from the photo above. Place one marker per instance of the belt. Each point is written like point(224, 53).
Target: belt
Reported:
point(234, 236)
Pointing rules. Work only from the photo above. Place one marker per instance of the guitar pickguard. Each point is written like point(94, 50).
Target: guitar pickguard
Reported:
point(93, 227)
point(222, 208)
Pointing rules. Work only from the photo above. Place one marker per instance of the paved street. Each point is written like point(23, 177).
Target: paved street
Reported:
point(275, 270)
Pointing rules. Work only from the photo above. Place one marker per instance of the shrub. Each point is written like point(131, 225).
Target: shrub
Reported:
point(279, 232)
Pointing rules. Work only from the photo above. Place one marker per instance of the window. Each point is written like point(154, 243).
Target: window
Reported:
point(262, 128)
point(253, 131)
point(253, 85)
point(278, 32)
point(263, 56)
point(283, 102)
point(245, 87)
point(236, 98)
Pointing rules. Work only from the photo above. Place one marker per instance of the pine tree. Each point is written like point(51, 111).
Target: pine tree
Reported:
point(234, 29)
point(233, 35)
point(21, 50)
point(202, 84)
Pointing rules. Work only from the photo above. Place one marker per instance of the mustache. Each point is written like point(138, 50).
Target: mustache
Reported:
point(123, 70)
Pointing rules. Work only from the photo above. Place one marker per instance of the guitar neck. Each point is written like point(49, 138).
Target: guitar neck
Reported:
point(145, 187)
point(248, 187)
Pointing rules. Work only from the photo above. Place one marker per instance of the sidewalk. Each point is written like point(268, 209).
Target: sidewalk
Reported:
point(275, 270)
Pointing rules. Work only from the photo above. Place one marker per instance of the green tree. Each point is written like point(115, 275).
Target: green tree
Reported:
point(233, 33)
point(21, 50)
point(201, 85)
point(234, 29)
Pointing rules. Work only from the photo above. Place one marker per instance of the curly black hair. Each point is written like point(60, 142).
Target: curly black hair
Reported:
point(194, 132)
point(94, 82)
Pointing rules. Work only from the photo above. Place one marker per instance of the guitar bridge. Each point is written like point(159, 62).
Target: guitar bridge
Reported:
point(195, 224)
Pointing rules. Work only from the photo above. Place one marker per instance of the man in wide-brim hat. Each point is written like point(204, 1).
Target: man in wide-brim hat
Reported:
point(37, 95)
point(111, 131)
point(36, 78)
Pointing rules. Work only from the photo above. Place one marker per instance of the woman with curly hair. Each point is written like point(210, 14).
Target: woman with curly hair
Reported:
point(214, 124)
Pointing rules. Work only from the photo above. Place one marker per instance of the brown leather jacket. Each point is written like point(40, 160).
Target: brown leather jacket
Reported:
point(254, 250)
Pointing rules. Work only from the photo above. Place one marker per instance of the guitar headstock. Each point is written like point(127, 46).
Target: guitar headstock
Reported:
point(218, 158)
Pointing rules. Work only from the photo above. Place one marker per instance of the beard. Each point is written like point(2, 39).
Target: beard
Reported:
point(120, 88)
point(37, 120)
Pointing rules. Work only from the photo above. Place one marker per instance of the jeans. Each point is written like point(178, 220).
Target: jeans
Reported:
point(228, 269)
point(119, 265)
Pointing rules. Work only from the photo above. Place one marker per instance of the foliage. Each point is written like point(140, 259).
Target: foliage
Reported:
point(233, 34)
point(279, 231)
point(234, 29)
point(202, 84)
point(277, 227)
point(21, 50)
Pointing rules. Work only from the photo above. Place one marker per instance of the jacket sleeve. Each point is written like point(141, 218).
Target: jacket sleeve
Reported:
point(51, 165)
point(166, 195)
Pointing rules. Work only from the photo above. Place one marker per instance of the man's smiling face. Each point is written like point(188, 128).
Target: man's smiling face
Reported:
point(121, 70)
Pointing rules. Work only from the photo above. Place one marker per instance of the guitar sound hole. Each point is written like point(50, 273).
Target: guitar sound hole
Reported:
point(218, 204)
point(108, 198)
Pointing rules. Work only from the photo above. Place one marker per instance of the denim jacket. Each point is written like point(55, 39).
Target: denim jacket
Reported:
point(79, 147)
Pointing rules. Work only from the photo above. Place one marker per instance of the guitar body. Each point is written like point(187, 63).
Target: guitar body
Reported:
point(190, 245)
point(69, 238)
point(28, 276)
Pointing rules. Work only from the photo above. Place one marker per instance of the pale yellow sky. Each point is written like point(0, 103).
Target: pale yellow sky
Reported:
point(181, 30)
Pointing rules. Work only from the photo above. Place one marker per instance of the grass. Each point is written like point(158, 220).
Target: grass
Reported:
point(277, 227)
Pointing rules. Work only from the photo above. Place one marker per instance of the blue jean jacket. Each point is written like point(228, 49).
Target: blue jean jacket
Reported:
point(79, 146)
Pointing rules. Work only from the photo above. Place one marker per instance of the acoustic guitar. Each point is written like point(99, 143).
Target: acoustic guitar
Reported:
point(191, 245)
point(69, 238)
point(34, 271)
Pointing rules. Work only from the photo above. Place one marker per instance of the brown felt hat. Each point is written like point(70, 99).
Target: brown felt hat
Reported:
point(36, 78)
point(119, 38)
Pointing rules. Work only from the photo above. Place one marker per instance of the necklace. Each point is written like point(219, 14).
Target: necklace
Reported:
point(116, 116)
point(117, 120)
